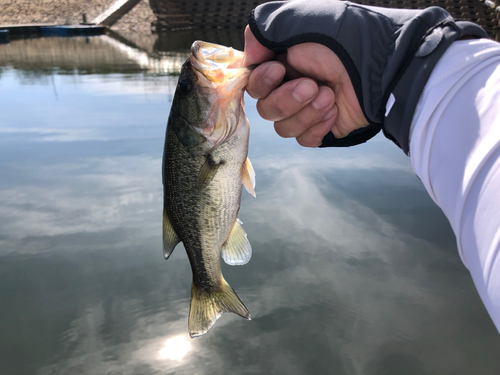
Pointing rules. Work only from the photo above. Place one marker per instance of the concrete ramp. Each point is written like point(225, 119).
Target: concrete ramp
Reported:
point(115, 12)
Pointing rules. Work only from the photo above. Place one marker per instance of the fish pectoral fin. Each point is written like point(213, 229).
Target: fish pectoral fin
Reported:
point(207, 172)
point(248, 175)
point(237, 251)
point(170, 238)
point(207, 306)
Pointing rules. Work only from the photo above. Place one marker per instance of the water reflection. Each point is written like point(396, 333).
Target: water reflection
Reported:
point(162, 53)
point(355, 271)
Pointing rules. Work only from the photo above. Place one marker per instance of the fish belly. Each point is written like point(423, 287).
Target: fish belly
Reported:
point(203, 219)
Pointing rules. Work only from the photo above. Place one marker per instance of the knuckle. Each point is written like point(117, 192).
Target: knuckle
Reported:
point(308, 117)
point(271, 108)
point(279, 108)
point(303, 120)
point(305, 142)
point(260, 110)
point(313, 136)
point(283, 130)
point(252, 86)
point(318, 132)
point(280, 130)
point(255, 87)
point(255, 90)
point(252, 93)
point(263, 110)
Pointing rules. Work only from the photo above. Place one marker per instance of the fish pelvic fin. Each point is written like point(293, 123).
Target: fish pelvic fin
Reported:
point(208, 306)
point(237, 251)
point(248, 175)
point(170, 238)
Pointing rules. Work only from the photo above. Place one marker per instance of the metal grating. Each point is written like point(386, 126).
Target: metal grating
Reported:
point(206, 14)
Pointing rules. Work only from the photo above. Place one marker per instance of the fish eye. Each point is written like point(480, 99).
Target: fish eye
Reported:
point(185, 85)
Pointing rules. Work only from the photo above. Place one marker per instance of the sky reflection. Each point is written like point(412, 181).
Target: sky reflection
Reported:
point(354, 270)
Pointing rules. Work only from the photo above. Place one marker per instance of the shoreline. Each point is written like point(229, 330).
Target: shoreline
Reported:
point(72, 12)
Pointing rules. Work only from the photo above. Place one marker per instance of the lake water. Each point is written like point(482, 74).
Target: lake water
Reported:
point(354, 269)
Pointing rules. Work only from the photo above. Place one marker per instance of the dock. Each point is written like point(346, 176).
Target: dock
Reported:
point(115, 12)
point(97, 26)
point(48, 30)
point(4, 36)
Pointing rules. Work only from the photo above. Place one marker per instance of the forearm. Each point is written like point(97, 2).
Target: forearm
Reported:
point(455, 151)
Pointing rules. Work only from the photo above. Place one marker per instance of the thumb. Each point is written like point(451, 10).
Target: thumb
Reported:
point(255, 53)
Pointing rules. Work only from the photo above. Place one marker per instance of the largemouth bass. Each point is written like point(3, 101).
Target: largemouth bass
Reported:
point(204, 166)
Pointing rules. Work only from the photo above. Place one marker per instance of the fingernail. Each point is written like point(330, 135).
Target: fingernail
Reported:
point(304, 91)
point(332, 112)
point(274, 74)
point(322, 100)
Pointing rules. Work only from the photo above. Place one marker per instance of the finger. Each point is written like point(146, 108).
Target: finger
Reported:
point(313, 136)
point(288, 99)
point(291, 72)
point(323, 65)
point(255, 53)
point(308, 116)
point(265, 78)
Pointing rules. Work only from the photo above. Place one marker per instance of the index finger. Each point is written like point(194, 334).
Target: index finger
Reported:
point(255, 53)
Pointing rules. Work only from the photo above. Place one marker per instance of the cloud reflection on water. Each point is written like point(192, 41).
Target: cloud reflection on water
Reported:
point(346, 276)
point(320, 269)
point(94, 195)
point(340, 276)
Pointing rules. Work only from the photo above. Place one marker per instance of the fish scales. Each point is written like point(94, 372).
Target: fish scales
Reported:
point(205, 165)
point(212, 209)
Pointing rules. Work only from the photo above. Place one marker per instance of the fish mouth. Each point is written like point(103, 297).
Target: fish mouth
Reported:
point(217, 63)
point(222, 78)
point(217, 55)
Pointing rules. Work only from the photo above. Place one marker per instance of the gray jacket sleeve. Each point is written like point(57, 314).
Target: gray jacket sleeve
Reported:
point(388, 53)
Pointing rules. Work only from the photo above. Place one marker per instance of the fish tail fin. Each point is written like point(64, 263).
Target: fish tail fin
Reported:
point(208, 306)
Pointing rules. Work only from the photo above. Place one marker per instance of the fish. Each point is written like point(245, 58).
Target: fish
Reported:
point(205, 165)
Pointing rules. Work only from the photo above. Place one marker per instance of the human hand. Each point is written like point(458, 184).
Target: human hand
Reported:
point(371, 65)
point(301, 107)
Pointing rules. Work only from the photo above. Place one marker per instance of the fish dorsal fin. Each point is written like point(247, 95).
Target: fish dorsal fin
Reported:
point(249, 177)
point(237, 250)
point(207, 172)
point(170, 238)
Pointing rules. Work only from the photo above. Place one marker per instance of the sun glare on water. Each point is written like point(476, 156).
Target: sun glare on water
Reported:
point(175, 348)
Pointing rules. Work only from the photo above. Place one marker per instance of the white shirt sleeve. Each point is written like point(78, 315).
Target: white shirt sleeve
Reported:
point(455, 151)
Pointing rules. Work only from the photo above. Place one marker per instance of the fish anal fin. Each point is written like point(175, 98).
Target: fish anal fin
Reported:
point(248, 175)
point(207, 172)
point(208, 306)
point(237, 251)
point(170, 238)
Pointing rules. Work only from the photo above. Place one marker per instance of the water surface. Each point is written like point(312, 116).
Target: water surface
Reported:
point(354, 269)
